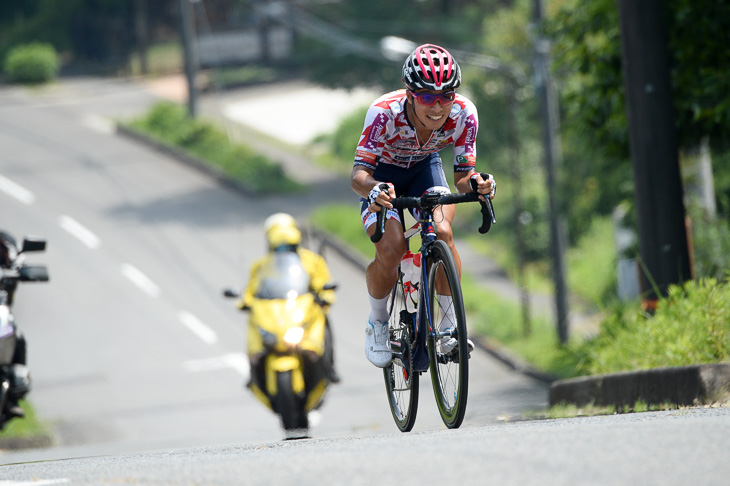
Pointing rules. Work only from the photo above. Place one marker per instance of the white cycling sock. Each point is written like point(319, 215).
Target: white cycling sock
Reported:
point(448, 316)
point(378, 309)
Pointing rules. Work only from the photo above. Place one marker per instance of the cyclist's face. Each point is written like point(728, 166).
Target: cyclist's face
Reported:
point(431, 107)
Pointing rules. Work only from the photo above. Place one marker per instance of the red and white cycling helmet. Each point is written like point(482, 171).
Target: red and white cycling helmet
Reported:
point(431, 67)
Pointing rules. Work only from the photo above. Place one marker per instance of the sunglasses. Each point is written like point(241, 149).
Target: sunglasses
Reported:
point(429, 99)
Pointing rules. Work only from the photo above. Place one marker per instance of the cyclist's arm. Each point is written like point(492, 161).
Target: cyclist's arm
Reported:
point(362, 182)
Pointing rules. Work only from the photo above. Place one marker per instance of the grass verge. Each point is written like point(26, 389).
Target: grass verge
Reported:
point(26, 432)
point(169, 124)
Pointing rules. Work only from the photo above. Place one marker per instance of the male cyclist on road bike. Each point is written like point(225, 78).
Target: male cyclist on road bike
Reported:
point(404, 132)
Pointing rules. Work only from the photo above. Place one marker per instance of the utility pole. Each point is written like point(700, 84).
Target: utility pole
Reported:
point(187, 28)
point(141, 30)
point(654, 153)
point(552, 158)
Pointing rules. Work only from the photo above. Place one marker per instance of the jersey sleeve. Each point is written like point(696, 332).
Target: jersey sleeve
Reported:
point(371, 143)
point(465, 145)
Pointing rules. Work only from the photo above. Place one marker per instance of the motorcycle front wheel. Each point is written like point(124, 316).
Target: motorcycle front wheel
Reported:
point(290, 408)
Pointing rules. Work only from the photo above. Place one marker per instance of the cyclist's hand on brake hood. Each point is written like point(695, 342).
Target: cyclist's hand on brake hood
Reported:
point(483, 183)
point(380, 196)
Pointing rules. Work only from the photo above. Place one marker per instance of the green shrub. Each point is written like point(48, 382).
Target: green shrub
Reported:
point(690, 326)
point(711, 247)
point(170, 123)
point(31, 63)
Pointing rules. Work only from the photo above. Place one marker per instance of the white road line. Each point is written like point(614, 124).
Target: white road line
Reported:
point(198, 327)
point(140, 280)
point(79, 231)
point(16, 190)
point(36, 482)
point(237, 361)
point(99, 123)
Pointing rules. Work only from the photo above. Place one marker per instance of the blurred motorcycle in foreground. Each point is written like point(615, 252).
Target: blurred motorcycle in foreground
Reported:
point(15, 380)
point(289, 343)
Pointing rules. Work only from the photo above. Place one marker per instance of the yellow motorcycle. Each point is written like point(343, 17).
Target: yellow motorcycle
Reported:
point(288, 342)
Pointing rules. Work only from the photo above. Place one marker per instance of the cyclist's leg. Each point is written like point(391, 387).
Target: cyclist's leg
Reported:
point(382, 273)
point(380, 276)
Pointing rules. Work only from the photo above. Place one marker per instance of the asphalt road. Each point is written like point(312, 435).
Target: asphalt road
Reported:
point(659, 448)
point(137, 359)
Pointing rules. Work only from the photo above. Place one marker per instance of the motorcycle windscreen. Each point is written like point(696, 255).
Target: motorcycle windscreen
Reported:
point(282, 276)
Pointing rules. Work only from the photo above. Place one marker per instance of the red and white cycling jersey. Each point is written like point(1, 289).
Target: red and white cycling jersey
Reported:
point(388, 137)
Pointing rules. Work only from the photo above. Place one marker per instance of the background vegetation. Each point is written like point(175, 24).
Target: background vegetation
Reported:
point(170, 124)
point(32, 63)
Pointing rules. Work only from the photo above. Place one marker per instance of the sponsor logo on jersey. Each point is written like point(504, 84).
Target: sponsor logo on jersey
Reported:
point(366, 156)
point(466, 161)
point(471, 131)
point(376, 130)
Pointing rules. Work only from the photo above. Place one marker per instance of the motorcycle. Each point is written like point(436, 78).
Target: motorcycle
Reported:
point(15, 380)
point(288, 343)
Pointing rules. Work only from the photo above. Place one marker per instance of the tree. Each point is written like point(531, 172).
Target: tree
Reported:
point(588, 60)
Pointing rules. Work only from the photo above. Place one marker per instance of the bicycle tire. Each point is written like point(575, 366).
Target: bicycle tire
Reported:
point(401, 381)
point(449, 371)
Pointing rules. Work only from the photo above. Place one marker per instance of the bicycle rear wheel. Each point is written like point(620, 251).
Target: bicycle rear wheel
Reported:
point(449, 363)
point(401, 381)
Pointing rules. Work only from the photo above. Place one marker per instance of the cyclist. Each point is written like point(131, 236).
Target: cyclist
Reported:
point(404, 132)
point(283, 235)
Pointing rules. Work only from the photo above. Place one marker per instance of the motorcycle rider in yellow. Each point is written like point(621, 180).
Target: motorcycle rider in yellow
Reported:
point(283, 235)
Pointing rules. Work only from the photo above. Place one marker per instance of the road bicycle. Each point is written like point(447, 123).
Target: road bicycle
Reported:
point(420, 336)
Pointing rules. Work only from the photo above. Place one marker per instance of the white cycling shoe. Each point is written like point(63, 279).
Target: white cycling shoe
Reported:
point(377, 344)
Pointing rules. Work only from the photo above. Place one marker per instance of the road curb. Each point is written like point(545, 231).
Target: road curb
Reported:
point(681, 385)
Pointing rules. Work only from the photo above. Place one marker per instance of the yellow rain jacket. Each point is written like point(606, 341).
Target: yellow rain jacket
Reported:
point(314, 264)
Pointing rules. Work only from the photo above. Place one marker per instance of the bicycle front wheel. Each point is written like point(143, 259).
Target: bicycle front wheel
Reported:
point(447, 340)
point(401, 381)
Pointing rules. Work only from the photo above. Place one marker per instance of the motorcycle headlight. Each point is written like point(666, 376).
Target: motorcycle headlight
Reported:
point(294, 335)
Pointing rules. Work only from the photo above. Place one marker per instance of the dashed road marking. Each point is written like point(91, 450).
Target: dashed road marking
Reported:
point(140, 280)
point(16, 190)
point(198, 327)
point(79, 231)
point(36, 482)
point(237, 361)
point(99, 124)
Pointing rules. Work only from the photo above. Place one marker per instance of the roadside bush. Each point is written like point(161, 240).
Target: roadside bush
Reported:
point(711, 240)
point(169, 123)
point(690, 326)
point(31, 63)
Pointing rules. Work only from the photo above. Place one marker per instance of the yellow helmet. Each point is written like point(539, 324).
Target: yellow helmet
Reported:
point(281, 229)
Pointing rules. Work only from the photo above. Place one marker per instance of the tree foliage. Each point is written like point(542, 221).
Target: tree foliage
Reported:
point(588, 59)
